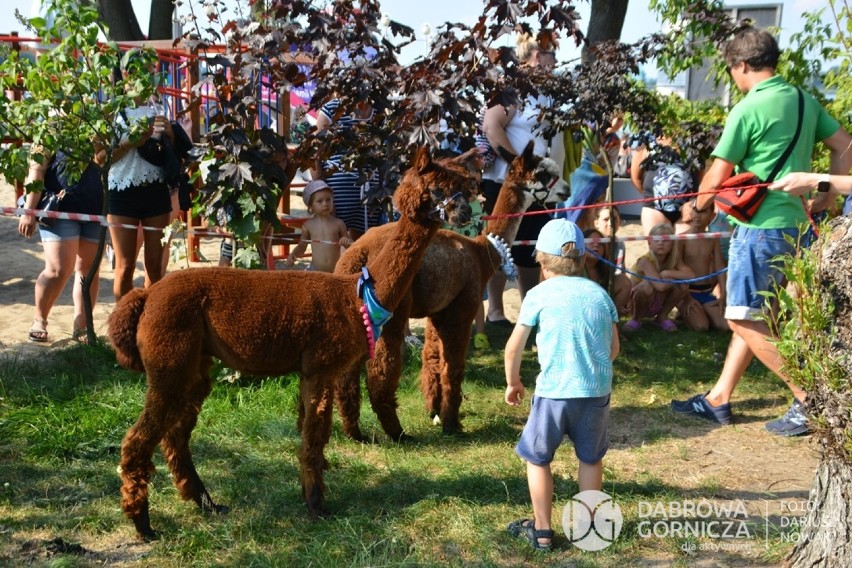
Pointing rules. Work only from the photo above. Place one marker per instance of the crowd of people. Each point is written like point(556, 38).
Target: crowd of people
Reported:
point(565, 276)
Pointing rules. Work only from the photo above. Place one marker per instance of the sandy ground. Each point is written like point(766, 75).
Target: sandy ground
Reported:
point(23, 260)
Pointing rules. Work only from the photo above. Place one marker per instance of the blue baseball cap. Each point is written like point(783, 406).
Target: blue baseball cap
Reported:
point(558, 232)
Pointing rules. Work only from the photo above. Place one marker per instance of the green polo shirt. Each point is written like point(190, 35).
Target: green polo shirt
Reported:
point(758, 130)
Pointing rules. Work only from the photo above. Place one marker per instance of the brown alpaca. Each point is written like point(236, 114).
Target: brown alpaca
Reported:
point(448, 290)
point(261, 323)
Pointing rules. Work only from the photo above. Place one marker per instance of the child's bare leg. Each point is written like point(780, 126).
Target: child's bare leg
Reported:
point(716, 314)
point(694, 315)
point(479, 319)
point(590, 476)
point(621, 292)
point(642, 296)
point(540, 480)
point(495, 296)
point(673, 296)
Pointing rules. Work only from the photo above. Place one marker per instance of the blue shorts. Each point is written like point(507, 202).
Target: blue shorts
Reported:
point(68, 230)
point(584, 420)
point(703, 296)
point(751, 269)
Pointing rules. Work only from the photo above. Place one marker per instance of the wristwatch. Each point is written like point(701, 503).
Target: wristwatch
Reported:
point(696, 209)
point(824, 183)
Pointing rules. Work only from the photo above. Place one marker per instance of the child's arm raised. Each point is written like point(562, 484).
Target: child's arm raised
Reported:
point(512, 362)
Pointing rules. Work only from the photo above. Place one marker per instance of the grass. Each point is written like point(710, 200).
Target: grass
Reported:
point(435, 501)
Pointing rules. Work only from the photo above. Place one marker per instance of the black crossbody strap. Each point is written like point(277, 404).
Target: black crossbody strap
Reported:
point(783, 159)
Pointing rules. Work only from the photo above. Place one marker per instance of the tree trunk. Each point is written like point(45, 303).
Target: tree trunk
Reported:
point(605, 23)
point(160, 22)
point(824, 537)
point(121, 20)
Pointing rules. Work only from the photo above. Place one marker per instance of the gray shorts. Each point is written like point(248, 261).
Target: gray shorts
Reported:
point(583, 420)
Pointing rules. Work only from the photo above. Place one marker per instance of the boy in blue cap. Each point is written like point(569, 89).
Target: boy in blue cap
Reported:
point(577, 341)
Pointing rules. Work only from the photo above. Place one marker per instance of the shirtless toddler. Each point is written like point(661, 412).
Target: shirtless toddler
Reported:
point(325, 232)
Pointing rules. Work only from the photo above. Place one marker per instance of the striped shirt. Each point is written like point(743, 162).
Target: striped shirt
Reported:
point(346, 185)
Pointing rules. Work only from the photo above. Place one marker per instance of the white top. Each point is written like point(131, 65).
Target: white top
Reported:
point(521, 128)
point(132, 169)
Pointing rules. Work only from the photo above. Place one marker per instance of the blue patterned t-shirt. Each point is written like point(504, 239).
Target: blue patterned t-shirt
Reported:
point(574, 317)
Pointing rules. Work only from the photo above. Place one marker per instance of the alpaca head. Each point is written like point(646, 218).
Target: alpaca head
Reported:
point(435, 190)
point(541, 178)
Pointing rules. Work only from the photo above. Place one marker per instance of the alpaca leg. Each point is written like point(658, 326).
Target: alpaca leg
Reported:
point(454, 339)
point(317, 401)
point(300, 413)
point(430, 372)
point(175, 446)
point(137, 466)
point(383, 374)
point(347, 391)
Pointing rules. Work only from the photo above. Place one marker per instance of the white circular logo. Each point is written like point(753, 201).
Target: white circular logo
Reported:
point(592, 520)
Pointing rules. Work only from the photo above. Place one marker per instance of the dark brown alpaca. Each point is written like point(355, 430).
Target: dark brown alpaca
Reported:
point(448, 290)
point(261, 323)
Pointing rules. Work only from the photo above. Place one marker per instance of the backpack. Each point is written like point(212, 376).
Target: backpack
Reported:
point(669, 182)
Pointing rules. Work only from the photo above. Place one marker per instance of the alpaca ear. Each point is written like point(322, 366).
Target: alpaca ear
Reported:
point(422, 160)
point(524, 162)
point(527, 154)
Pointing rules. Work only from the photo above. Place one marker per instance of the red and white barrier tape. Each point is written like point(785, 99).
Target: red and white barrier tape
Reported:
point(17, 211)
point(679, 237)
point(226, 235)
point(86, 217)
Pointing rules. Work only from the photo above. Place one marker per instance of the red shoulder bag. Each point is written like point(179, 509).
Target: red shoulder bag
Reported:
point(742, 194)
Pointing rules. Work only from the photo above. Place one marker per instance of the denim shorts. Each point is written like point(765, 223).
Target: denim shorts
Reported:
point(751, 269)
point(584, 420)
point(68, 230)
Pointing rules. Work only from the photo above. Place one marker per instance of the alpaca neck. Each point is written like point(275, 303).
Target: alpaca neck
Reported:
point(512, 199)
point(394, 268)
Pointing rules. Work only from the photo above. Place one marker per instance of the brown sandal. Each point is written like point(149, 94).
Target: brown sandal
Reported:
point(38, 331)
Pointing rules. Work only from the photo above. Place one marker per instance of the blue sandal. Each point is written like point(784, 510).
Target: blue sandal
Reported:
point(525, 528)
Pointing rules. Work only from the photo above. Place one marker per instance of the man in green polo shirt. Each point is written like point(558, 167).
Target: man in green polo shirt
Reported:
point(757, 131)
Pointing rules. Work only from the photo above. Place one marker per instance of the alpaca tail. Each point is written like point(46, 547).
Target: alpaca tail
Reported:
point(123, 322)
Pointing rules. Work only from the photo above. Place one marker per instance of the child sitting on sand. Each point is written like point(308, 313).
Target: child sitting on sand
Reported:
point(653, 298)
